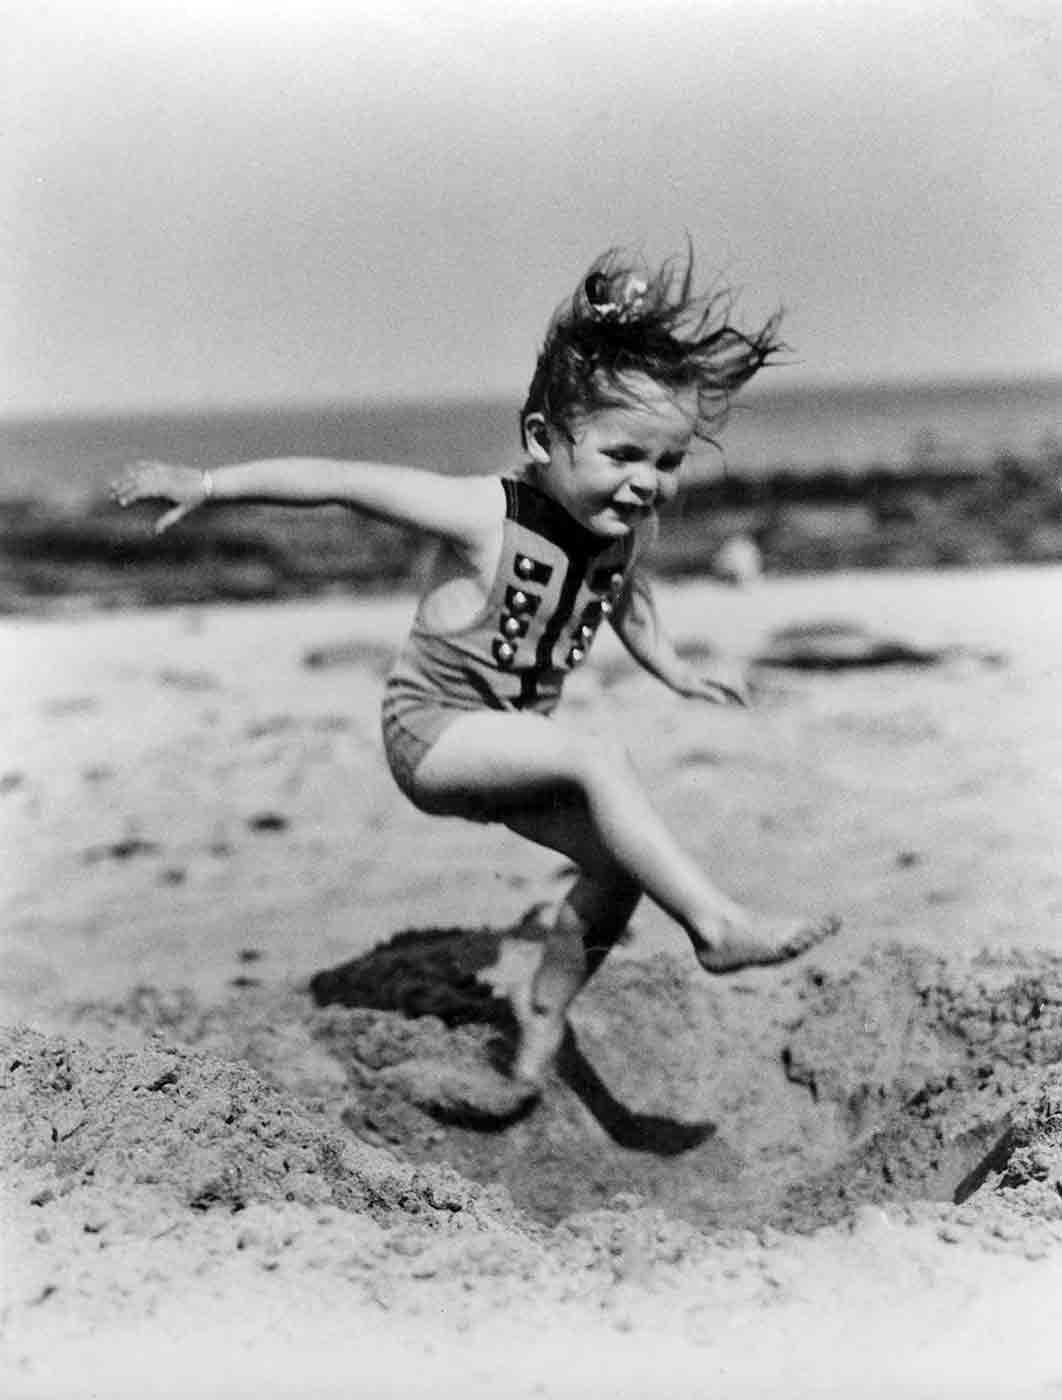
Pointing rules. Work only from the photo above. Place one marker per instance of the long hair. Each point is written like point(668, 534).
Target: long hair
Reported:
point(625, 319)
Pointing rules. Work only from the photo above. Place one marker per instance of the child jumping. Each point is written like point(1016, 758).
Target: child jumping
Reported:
point(528, 566)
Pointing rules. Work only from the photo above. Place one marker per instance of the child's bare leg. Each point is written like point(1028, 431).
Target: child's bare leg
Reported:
point(593, 916)
point(538, 774)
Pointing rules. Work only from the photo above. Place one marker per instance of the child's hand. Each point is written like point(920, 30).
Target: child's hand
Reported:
point(187, 487)
point(725, 684)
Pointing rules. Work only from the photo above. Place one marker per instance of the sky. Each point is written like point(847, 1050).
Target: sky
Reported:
point(234, 202)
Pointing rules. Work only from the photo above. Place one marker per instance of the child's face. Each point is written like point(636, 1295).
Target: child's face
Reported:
point(620, 463)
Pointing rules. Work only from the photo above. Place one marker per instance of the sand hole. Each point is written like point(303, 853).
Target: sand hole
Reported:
point(786, 1099)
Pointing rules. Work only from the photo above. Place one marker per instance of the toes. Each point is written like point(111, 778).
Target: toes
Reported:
point(809, 935)
point(737, 954)
point(825, 928)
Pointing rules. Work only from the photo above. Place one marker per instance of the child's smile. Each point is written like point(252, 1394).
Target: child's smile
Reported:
point(621, 462)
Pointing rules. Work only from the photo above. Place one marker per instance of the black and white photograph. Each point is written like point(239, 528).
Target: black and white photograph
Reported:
point(531, 774)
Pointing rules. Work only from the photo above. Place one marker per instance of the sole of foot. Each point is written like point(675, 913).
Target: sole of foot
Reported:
point(765, 944)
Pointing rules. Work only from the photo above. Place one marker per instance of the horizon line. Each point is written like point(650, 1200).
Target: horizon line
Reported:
point(396, 402)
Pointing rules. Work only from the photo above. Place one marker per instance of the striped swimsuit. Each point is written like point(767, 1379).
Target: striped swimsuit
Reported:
point(555, 584)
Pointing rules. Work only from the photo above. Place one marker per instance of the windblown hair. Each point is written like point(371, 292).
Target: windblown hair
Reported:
point(625, 319)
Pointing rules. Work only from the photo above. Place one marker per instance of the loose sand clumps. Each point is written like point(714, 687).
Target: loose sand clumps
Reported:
point(925, 1063)
point(207, 1132)
point(201, 1157)
point(785, 1101)
point(689, 1121)
point(128, 1173)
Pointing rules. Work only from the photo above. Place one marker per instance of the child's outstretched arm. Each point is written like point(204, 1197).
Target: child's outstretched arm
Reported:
point(459, 508)
point(637, 623)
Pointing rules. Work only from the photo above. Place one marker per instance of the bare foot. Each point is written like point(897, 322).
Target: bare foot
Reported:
point(763, 943)
point(541, 1033)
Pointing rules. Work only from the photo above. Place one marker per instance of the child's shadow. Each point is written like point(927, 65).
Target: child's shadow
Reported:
point(436, 972)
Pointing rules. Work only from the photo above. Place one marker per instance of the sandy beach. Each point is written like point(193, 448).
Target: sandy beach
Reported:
point(226, 1174)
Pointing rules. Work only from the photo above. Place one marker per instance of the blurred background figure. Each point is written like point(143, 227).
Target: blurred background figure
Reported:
point(739, 561)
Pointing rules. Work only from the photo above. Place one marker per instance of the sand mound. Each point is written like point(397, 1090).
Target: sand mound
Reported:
point(787, 1100)
point(936, 1060)
point(135, 1176)
point(208, 1132)
point(1024, 1165)
point(269, 1133)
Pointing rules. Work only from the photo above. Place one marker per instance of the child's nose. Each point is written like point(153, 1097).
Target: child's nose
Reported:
point(645, 483)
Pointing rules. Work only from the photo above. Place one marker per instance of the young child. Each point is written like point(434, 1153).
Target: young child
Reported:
point(528, 566)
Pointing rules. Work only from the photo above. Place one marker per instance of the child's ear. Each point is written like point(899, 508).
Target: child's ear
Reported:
point(537, 438)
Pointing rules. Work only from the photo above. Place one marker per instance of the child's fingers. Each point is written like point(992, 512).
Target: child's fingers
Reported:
point(136, 483)
point(123, 487)
point(147, 481)
point(144, 481)
point(726, 696)
point(171, 517)
point(722, 692)
point(726, 683)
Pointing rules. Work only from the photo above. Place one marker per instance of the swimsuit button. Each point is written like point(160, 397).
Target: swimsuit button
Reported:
point(520, 600)
point(586, 632)
point(575, 656)
point(511, 626)
point(606, 608)
point(524, 566)
point(506, 652)
point(615, 583)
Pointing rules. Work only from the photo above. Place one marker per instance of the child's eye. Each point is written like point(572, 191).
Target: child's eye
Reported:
point(672, 463)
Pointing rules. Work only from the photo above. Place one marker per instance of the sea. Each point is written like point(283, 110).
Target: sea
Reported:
point(70, 460)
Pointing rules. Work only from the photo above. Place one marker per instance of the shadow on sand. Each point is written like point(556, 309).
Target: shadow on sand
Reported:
point(437, 972)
